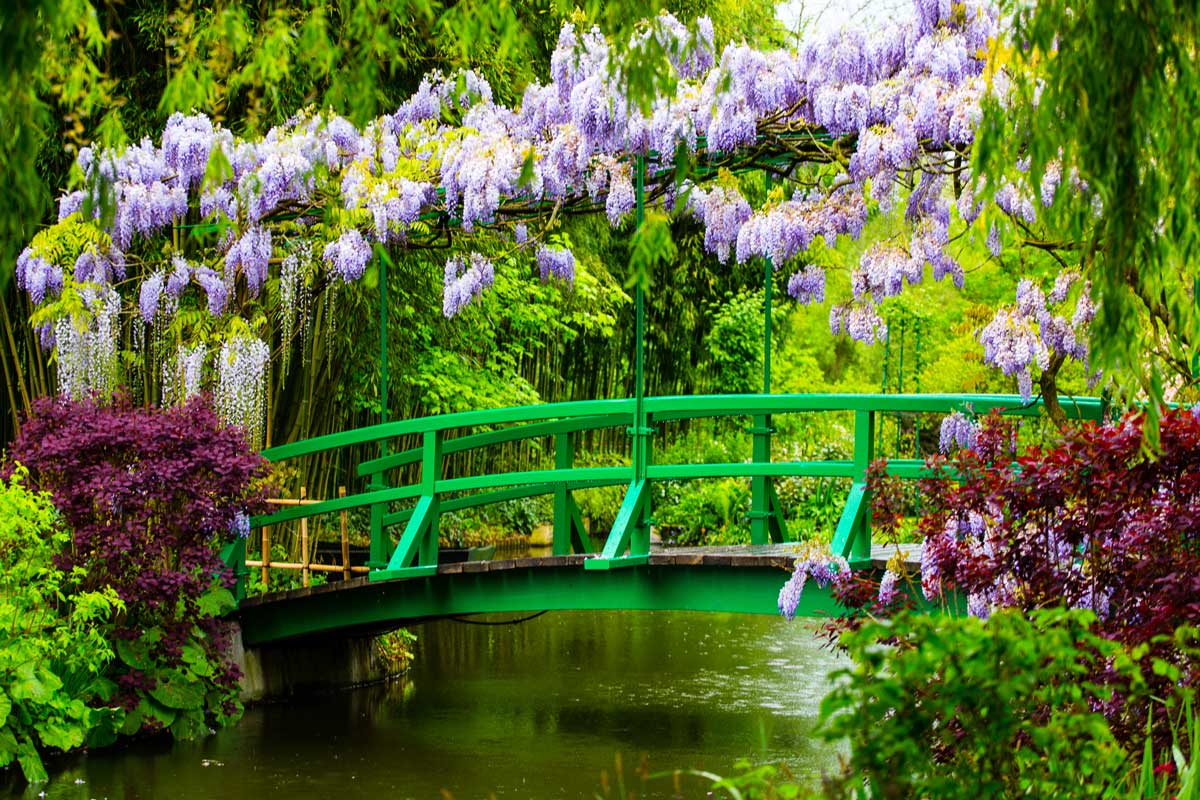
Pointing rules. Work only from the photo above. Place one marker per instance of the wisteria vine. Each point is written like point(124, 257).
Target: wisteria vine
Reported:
point(886, 115)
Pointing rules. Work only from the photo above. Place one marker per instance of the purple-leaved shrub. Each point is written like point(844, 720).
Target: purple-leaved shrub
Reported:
point(150, 495)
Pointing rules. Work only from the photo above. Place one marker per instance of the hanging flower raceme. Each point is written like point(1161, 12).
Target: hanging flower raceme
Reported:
point(182, 379)
point(348, 255)
point(87, 348)
point(817, 563)
point(557, 262)
point(957, 430)
point(723, 211)
point(465, 282)
point(241, 392)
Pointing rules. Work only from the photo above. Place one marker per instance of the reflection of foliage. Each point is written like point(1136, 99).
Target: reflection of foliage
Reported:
point(395, 648)
point(53, 648)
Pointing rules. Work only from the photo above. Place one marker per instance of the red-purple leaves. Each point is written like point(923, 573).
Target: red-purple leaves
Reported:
point(150, 495)
point(1094, 521)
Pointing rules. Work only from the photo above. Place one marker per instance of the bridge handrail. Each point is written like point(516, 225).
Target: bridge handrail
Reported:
point(668, 408)
point(442, 422)
point(561, 419)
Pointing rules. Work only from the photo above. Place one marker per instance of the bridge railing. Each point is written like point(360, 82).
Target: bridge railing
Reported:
point(433, 494)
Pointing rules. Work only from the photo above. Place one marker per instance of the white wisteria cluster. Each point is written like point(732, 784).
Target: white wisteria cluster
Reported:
point(87, 354)
point(880, 111)
point(241, 391)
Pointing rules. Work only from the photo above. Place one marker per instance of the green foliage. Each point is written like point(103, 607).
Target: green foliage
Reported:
point(492, 524)
point(704, 512)
point(653, 248)
point(954, 707)
point(182, 694)
point(53, 651)
point(708, 511)
point(735, 344)
point(1121, 105)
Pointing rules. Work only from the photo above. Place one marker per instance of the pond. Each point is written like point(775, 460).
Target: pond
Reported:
point(566, 705)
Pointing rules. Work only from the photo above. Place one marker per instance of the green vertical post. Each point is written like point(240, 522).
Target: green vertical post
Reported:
point(233, 555)
point(639, 357)
point(852, 539)
point(639, 540)
point(631, 528)
point(431, 472)
point(1196, 298)
point(380, 550)
point(569, 532)
point(383, 345)
point(864, 454)
point(760, 485)
point(900, 383)
point(766, 516)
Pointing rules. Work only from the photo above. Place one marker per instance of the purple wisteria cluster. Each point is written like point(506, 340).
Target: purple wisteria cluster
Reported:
point(465, 281)
point(1029, 333)
point(558, 262)
point(958, 430)
point(883, 113)
point(723, 211)
point(823, 567)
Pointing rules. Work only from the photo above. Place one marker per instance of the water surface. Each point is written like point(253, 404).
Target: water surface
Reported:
point(542, 709)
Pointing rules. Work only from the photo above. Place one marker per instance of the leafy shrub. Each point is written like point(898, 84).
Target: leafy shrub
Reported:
point(149, 495)
point(53, 651)
point(960, 708)
point(1095, 521)
point(396, 649)
point(703, 512)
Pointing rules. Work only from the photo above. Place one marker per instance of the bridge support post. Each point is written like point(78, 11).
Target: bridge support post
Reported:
point(419, 541)
point(852, 539)
point(631, 529)
point(767, 523)
point(377, 558)
point(766, 514)
point(233, 555)
point(569, 532)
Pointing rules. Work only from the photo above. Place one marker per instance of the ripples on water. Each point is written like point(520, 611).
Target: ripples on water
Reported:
point(536, 710)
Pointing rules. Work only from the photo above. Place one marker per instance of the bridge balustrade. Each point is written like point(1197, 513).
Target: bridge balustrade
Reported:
point(432, 494)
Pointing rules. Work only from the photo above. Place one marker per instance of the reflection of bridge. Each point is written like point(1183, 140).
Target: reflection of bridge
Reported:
point(625, 574)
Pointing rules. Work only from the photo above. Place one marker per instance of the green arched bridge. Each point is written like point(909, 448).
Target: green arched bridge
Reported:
point(405, 581)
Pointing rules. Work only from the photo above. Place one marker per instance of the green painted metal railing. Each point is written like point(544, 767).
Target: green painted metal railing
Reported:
point(415, 553)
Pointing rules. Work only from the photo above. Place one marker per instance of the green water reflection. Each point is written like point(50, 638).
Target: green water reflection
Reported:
point(536, 710)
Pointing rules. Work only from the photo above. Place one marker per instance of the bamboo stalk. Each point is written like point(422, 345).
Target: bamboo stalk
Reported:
point(345, 540)
point(266, 558)
point(304, 542)
point(295, 565)
point(12, 344)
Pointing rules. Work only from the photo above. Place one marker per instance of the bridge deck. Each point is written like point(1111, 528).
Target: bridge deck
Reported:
point(777, 556)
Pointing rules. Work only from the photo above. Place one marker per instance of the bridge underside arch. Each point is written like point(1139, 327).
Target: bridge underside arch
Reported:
point(563, 584)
